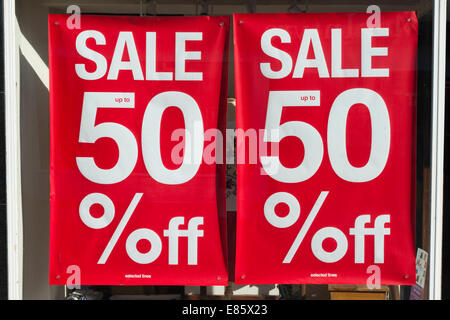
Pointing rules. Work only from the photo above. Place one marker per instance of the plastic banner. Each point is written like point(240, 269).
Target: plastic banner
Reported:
point(135, 103)
point(327, 193)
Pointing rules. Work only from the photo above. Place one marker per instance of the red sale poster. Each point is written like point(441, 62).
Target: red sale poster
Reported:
point(135, 103)
point(329, 197)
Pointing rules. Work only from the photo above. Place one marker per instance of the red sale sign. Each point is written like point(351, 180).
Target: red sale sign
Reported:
point(330, 196)
point(133, 200)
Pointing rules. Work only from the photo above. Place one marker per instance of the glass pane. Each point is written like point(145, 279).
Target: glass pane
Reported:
point(35, 136)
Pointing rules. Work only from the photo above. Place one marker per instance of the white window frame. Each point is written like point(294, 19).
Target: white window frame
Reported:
point(12, 142)
point(437, 147)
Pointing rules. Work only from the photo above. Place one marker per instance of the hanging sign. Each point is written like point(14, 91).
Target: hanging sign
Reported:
point(133, 200)
point(330, 100)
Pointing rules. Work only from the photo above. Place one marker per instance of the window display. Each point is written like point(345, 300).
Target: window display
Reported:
point(224, 149)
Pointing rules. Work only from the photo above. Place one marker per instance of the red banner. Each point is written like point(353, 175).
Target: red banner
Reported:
point(329, 198)
point(133, 200)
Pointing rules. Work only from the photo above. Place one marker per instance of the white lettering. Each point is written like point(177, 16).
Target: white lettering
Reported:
point(181, 55)
point(271, 51)
point(311, 36)
point(117, 64)
point(90, 54)
point(367, 52)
